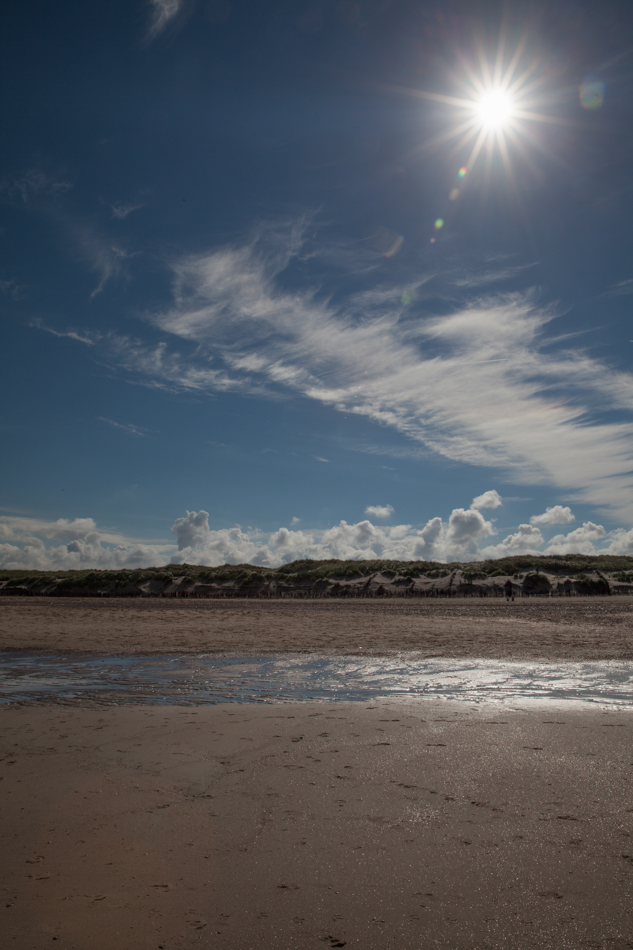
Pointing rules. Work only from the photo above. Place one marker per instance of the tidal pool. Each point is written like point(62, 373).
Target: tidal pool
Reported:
point(27, 677)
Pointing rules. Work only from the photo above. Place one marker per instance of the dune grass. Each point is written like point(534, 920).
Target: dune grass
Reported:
point(577, 566)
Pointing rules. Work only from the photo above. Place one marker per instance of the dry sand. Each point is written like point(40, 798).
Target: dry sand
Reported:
point(290, 827)
point(557, 629)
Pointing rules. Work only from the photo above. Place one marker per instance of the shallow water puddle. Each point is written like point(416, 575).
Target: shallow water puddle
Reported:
point(291, 677)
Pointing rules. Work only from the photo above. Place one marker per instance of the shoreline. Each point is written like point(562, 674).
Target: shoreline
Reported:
point(91, 680)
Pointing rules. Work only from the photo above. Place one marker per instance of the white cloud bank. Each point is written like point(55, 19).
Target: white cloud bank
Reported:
point(580, 541)
point(481, 385)
point(23, 545)
point(29, 543)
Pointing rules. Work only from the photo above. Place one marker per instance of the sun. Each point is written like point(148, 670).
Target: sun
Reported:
point(494, 109)
point(500, 99)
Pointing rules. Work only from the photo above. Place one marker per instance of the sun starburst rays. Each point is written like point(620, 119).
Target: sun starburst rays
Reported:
point(500, 97)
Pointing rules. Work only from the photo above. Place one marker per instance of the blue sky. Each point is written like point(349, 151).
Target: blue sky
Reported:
point(252, 309)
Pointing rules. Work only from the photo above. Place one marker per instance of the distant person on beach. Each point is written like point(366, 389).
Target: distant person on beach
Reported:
point(507, 589)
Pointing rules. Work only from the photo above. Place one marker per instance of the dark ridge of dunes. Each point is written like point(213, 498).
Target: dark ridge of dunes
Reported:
point(528, 575)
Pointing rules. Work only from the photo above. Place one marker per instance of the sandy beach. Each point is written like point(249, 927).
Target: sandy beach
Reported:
point(304, 826)
point(583, 628)
point(379, 825)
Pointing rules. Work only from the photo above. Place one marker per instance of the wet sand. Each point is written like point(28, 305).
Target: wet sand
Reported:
point(306, 826)
point(580, 628)
point(373, 826)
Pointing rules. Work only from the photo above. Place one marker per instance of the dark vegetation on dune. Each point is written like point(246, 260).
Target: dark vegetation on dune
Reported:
point(529, 575)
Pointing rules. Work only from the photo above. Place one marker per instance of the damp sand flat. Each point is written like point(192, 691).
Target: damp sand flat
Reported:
point(370, 826)
point(540, 629)
point(373, 825)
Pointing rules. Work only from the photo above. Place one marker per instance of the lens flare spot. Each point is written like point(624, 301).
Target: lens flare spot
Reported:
point(439, 223)
point(453, 194)
point(591, 93)
point(462, 172)
point(384, 241)
point(405, 299)
point(494, 109)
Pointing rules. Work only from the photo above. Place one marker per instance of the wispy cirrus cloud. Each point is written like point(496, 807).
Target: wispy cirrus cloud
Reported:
point(122, 210)
point(42, 194)
point(162, 13)
point(473, 278)
point(34, 183)
point(82, 336)
point(622, 289)
point(477, 385)
point(10, 288)
point(104, 257)
point(157, 366)
point(123, 426)
point(481, 384)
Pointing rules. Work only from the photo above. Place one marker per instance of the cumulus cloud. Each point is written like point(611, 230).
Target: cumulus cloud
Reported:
point(478, 385)
point(83, 545)
point(66, 544)
point(465, 528)
point(580, 541)
point(456, 539)
point(192, 531)
point(428, 544)
point(555, 515)
point(527, 538)
point(379, 511)
point(621, 542)
point(489, 499)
